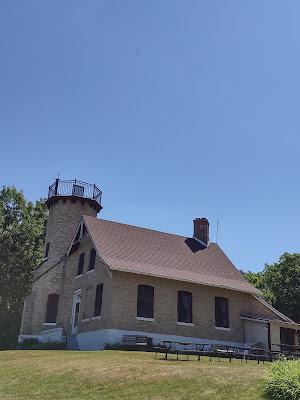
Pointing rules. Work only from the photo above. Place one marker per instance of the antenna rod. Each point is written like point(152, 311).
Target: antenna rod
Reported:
point(217, 235)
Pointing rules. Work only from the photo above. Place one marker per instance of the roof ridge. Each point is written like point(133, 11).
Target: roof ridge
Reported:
point(141, 227)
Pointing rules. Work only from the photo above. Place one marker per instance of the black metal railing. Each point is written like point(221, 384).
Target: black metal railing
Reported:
point(75, 188)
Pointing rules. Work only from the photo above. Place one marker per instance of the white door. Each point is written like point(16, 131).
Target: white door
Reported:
point(75, 313)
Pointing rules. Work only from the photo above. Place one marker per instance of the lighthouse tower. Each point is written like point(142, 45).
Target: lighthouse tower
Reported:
point(67, 202)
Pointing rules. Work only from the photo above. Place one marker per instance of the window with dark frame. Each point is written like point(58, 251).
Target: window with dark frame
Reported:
point(81, 264)
point(287, 336)
point(98, 300)
point(47, 250)
point(52, 307)
point(185, 307)
point(92, 259)
point(145, 301)
point(221, 312)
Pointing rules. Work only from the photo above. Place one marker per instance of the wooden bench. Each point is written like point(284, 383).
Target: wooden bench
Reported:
point(136, 341)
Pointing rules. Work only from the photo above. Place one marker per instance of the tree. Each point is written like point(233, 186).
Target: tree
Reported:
point(257, 279)
point(283, 280)
point(280, 284)
point(22, 232)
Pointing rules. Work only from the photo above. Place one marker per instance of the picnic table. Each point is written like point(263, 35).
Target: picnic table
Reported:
point(260, 354)
point(221, 351)
point(187, 348)
point(289, 350)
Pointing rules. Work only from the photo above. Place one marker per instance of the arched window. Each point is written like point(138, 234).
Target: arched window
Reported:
point(98, 300)
point(185, 307)
point(80, 264)
point(52, 307)
point(92, 259)
point(221, 312)
point(145, 301)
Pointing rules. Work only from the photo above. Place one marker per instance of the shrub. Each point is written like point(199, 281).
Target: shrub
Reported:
point(284, 381)
point(34, 344)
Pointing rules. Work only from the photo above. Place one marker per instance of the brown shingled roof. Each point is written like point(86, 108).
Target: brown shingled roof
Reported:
point(144, 251)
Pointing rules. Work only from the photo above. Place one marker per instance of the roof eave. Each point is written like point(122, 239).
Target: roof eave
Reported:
point(184, 280)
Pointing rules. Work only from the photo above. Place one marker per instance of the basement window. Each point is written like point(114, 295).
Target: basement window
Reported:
point(221, 312)
point(52, 307)
point(145, 301)
point(81, 264)
point(185, 307)
point(92, 259)
point(98, 300)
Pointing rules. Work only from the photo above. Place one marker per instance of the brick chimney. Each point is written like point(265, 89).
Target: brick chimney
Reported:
point(201, 230)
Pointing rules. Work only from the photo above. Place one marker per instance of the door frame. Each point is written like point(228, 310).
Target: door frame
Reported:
point(76, 299)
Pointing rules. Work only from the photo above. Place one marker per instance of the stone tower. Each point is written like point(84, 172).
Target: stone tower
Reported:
point(67, 202)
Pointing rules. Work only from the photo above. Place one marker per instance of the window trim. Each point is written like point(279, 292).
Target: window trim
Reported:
point(90, 270)
point(221, 328)
point(185, 323)
point(97, 317)
point(145, 319)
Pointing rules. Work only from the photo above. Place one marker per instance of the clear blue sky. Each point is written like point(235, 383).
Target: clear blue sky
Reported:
point(175, 109)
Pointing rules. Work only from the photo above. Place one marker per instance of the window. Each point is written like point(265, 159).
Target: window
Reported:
point(221, 312)
point(92, 259)
point(98, 300)
point(184, 307)
point(80, 264)
point(145, 301)
point(287, 336)
point(47, 250)
point(51, 310)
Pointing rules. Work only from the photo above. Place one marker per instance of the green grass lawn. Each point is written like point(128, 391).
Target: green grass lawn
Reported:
point(49, 375)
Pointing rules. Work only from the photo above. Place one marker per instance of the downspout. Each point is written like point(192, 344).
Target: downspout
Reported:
point(269, 336)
